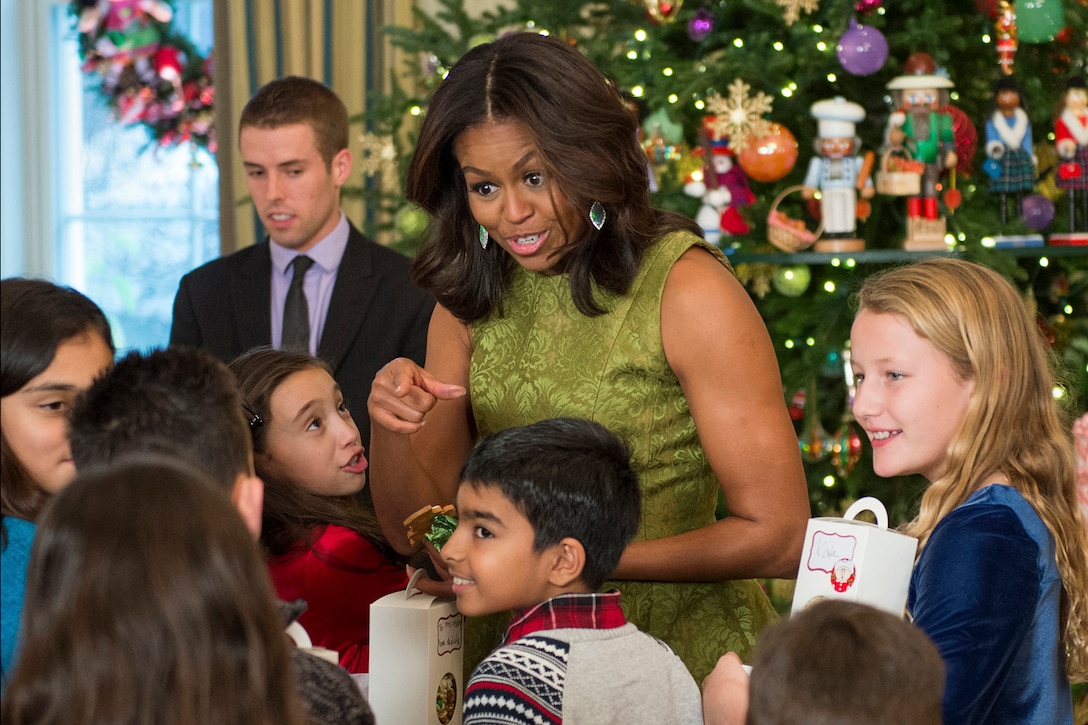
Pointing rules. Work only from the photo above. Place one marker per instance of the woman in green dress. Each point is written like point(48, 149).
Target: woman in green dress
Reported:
point(563, 292)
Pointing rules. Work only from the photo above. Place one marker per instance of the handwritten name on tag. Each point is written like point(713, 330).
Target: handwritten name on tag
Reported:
point(449, 633)
point(828, 548)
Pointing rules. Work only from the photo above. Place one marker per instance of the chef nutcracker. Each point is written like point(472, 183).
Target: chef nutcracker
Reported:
point(838, 173)
point(1071, 143)
point(919, 127)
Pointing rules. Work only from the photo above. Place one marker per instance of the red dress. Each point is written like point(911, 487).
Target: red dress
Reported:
point(338, 576)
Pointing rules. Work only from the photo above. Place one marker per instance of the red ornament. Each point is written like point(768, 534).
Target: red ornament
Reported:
point(797, 405)
point(867, 6)
point(966, 139)
point(920, 64)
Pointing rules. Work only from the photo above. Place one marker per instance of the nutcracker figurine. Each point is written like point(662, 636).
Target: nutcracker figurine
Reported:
point(1071, 142)
point(722, 186)
point(921, 129)
point(1010, 162)
point(838, 173)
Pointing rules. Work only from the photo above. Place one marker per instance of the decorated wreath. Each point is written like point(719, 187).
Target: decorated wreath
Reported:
point(150, 73)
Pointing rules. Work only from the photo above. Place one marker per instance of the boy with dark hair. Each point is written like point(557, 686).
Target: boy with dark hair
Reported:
point(181, 402)
point(185, 403)
point(544, 513)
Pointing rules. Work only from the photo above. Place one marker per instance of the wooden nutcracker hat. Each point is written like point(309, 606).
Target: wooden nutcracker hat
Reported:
point(921, 72)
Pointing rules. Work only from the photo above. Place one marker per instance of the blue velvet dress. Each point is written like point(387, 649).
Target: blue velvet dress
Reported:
point(986, 590)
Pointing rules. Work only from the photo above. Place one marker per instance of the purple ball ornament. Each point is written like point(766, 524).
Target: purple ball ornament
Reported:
point(862, 49)
point(1038, 211)
point(700, 25)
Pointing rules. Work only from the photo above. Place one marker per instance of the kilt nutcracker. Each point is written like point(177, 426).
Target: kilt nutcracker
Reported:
point(1010, 162)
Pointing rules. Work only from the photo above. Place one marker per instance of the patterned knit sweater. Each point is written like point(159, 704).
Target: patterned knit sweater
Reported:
point(575, 659)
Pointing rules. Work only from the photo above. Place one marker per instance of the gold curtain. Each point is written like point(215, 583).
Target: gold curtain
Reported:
point(338, 42)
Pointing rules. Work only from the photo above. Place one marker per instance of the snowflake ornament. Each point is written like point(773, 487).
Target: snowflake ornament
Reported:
point(794, 8)
point(740, 116)
point(376, 154)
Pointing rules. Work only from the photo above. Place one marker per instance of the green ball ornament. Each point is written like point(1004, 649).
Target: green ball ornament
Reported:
point(791, 280)
point(1038, 21)
point(411, 221)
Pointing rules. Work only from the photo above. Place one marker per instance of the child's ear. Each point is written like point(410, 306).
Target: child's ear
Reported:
point(247, 495)
point(569, 560)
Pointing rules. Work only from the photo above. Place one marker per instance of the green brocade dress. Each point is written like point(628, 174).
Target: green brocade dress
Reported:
point(543, 359)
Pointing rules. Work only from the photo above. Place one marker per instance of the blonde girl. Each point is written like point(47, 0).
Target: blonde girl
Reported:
point(954, 382)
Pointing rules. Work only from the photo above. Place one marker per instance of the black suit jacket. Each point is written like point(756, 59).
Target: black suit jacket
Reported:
point(376, 313)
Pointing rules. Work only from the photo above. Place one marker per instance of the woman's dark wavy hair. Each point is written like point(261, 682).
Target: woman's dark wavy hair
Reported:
point(147, 602)
point(292, 514)
point(587, 140)
point(36, 317)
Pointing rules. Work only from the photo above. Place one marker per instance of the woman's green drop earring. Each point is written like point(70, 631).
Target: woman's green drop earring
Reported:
point(597, 215)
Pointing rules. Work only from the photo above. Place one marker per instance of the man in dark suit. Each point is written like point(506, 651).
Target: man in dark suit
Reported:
point(351, 302)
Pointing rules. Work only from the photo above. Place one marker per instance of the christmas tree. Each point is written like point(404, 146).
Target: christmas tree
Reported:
point(756, 67)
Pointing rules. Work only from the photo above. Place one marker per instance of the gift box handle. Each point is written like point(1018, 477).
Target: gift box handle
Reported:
point(868, 503)
point(299, 635)
point(412, 583)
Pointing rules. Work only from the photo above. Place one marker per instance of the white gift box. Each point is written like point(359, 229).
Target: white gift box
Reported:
point(416, 659)
point(855, 560)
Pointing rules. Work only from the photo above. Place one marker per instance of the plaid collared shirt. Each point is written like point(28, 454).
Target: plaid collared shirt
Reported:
point(583, 611)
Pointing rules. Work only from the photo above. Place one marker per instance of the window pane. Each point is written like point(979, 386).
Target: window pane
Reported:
point(133, 216)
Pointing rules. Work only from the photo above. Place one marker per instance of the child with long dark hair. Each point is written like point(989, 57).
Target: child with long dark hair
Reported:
point(322, 544)
point(53, 342)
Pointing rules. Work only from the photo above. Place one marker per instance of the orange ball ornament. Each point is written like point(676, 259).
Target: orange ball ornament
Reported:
point(771, 156)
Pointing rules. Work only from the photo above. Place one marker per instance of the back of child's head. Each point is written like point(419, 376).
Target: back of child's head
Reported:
point(179, 401)
point(570, 478)
point(147, 601)
point(842, 663)
point(36, 317)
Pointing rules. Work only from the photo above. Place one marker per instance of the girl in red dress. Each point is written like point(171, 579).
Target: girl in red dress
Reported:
point(323, 545)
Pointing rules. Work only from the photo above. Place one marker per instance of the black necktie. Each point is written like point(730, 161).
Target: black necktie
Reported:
point(296, 313)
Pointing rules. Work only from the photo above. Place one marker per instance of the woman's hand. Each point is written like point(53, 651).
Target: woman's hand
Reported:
point(403, 393)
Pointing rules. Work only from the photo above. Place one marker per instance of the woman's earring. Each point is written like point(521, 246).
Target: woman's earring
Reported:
point(597, 215)
point(483, 237)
